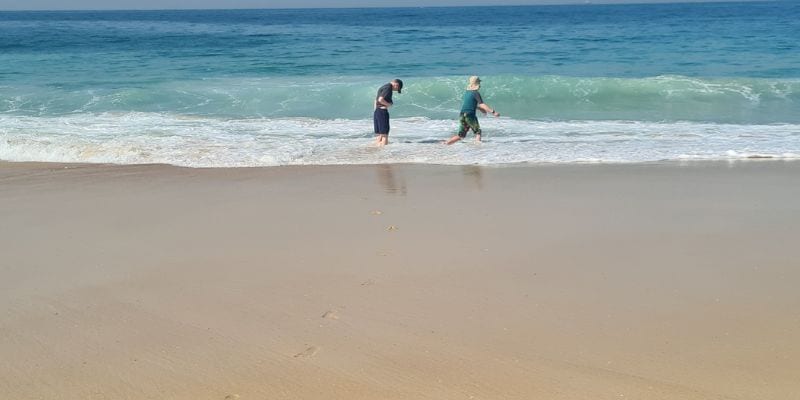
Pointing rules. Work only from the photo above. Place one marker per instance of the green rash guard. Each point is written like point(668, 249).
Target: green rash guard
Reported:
point(471, 100)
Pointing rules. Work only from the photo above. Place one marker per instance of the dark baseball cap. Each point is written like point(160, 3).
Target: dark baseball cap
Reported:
point(400, 85)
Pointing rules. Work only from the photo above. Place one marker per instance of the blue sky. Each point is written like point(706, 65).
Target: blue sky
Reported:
point(179, 4)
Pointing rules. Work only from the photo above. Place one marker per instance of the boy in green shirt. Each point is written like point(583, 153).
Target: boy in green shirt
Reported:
point(467, 119)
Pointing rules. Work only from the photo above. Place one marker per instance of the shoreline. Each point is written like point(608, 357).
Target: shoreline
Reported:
point(650, 280)
point(521, 164)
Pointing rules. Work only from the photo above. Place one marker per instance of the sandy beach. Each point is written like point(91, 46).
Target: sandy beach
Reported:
point(637, 281)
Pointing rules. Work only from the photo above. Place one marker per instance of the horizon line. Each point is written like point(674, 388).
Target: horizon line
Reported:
point(549, 4)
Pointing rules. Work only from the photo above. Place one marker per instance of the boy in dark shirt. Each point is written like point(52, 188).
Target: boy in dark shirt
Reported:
point(380, 116)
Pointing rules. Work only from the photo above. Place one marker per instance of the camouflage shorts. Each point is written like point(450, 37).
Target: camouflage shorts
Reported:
point(466, 122)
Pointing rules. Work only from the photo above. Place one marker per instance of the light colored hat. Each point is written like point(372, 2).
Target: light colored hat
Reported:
point(474, 83)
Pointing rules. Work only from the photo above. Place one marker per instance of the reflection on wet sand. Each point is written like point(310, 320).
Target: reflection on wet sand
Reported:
point(390, 183)
point(474, 173)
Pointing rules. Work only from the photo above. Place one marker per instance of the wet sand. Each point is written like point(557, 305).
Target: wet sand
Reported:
point(653, 281)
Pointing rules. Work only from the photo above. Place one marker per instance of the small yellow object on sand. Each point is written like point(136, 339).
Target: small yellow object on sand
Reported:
point(330, 315)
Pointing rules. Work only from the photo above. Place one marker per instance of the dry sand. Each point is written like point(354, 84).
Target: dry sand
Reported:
point(656, 281)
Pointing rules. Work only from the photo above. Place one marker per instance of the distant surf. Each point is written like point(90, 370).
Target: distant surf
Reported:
point(660, 98)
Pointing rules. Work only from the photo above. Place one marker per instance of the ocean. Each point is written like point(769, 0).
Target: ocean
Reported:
point(246, 88)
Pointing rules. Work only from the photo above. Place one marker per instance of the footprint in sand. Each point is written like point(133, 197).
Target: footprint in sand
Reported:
point(309, 352)
point(368, 282)
point(331, 314)
point(232, 397)
point(392, 228)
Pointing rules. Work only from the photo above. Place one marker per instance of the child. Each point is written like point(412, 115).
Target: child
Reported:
point(468, 120)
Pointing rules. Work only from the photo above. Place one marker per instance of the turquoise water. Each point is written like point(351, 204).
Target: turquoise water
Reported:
point(600, 83)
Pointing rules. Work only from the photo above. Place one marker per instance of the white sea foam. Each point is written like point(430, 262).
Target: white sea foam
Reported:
point(136, 138)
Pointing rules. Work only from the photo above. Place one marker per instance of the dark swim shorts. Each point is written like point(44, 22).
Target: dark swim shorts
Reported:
point(381, 119)
point(466, 122)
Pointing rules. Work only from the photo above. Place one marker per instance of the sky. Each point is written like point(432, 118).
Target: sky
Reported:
point(213, 4)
